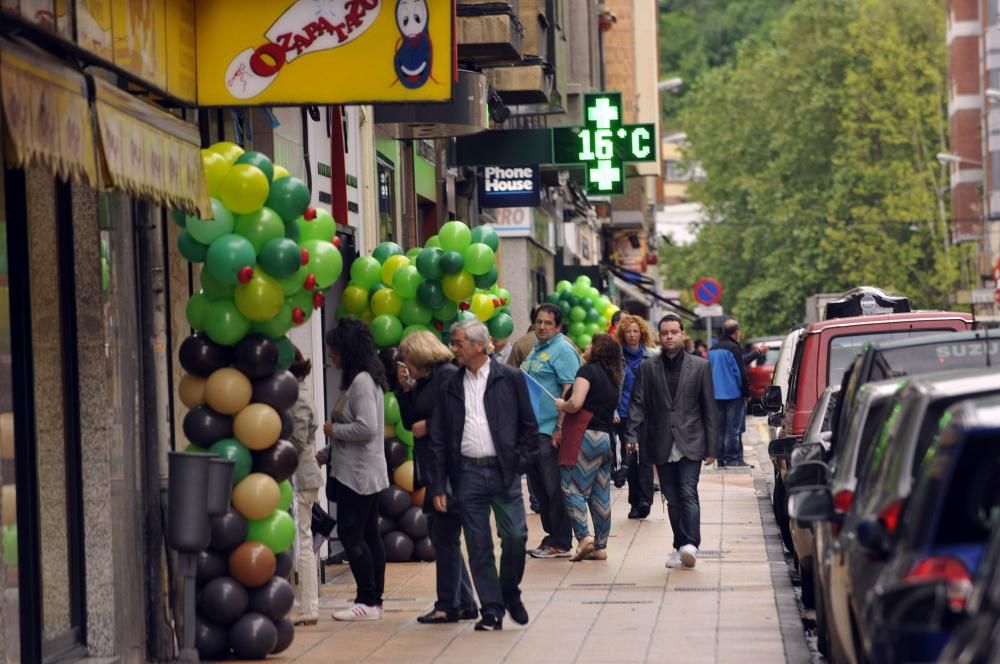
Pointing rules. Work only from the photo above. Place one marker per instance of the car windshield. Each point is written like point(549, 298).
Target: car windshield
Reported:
point(769, 359)
point(844, 349)
point(917, 359)
point(819, 421)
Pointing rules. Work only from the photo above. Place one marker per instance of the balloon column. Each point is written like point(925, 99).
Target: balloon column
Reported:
point(585, 311)
point(268, 257)
point(453, 277)
point(401, 519)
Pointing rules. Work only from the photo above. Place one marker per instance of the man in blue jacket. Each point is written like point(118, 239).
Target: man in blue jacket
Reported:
point(732, 387)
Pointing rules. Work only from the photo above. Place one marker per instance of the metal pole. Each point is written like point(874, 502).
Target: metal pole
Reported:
point(189, 570)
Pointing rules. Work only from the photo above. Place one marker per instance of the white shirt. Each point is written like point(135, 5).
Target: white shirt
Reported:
point(477, 441)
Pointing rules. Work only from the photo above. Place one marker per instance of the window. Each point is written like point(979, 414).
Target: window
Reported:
point(844, 349)
point(386, 201)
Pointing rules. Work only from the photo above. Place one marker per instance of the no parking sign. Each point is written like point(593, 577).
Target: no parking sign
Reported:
point(708, 291)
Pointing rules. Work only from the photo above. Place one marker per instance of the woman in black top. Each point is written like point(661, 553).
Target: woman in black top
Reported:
point(595, 390)
point(425, 368)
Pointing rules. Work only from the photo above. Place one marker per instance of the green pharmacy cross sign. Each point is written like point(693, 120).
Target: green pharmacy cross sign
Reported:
point(604, 144)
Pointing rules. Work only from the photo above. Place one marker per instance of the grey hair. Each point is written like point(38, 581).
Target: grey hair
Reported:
point(474, 330)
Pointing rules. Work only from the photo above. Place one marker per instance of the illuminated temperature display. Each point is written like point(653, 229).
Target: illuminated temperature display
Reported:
point(604, 144)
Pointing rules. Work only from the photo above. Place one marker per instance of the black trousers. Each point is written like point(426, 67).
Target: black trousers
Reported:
point(546, 481)
point(679, 484)
point(357, 526)
point(640, 475)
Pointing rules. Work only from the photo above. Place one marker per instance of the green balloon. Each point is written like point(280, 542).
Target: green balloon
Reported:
point(564, 305)
point(562, 286)
point(192, 250)
point(429, 263)
point(277, 326)
point(260, 227)
point(224, 324)
point(386, 330)
point(578, 313)
point(577, 328)
point(179, 217)
point(324, 261)
point(228, 255)
point(447, 311)
point(281, 258)
point(593, 315)
point(215, 289)
point(416, 327)
point(366, 272)
point(293, 284)
point(430, 294)
point(455, 236)
point(433, 242)
point(197, 309)
point(451, 262)
point(413, 252)
point(258, 159)
point(196, 449)
point(580, 290)
point(486, 280)
point(405, 437)
point(386, 249)
point(234, 450)
point(406, 280)
point(414, 313)
point(478, 258)
point(501, 326)
point(10, 555)
point(303, 301)
point(287, 494)
point(207, 230)
point(553, 298)
point(583, 279)
point(276, 531)
point(320, 227)
point(593, 328)
point(391, 408)
point(289, 197)
point(487, 236)
point(293, 231)
point(466, 315)
point(504, 296)
point(286, 352)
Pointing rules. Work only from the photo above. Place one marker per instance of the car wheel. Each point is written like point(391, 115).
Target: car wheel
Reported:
point(781, 513)
point(822, 634)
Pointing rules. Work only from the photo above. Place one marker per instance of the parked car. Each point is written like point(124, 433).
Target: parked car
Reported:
point(760, 371)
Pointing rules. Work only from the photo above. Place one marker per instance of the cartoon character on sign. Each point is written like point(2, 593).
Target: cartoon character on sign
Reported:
point(413, 48)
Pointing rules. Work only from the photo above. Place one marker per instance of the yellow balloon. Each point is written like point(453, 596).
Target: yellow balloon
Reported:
point(385, 302)
point(392, 263)
point(228, 391)
point(256, 496)
point(367, 316)
point(215, 167)
point(228, 150)
point(279, 172)
point(244, 189)
point(458, 287)
point(261, 298)
point(482, 306)
point(191, 390)
point(257, 426)
point(403, 475)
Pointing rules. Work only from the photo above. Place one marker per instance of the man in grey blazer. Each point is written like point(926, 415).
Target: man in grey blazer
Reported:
point(673, 420)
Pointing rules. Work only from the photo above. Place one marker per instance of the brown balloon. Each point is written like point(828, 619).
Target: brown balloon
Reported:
point(191, 389)
point(228, 391)
point(279, 461)
point(257, 426)
point(256, 496)
point(252, 564)
point(9, 504)
point(403, 476)
point(417, 497)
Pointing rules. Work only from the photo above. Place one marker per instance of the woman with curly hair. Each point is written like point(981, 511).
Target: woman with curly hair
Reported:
point(588, 482)
point(357, 462)
point(636, 340)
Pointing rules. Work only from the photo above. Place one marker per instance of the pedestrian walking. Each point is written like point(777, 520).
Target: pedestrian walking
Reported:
point(674, 422)
point(732, 389)
point(483, 433)
point(308, 479)
point(357, 462)
point(552, 365)
point(585, 448)
point(423, 374)
point(636, 340)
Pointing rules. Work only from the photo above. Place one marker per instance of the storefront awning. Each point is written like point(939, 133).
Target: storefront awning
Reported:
point(47, 118)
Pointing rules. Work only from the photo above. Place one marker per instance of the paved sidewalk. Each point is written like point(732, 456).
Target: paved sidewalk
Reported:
point(628, 608)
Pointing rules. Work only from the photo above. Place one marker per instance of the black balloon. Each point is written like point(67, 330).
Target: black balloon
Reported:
point(398, 547)
point(201, 356)
point(414, 523)
point(210, 639)
point(279, 461)
point(203, 426)
point(385, 525)
point(253, 636)
point(256, 356)
point(279, 390)
point(285, 565)
point(287, 424)
point(211, 565)
point(395, 454)
point(274, 599)
point(223, 600)
point(228, 531)
point(424, 550)
point(286, 634)
point(393, 501)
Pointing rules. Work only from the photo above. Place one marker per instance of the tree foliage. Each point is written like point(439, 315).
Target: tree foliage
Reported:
point(819, 142)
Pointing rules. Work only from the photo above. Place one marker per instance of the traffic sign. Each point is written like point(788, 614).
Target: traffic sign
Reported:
point(710, 311)
point(708, 291)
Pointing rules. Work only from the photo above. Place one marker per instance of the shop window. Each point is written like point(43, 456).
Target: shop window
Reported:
point(386, 201)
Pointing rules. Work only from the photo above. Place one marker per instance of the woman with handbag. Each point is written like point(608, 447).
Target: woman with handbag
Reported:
point(425, 369)
point(636, 340)
point(585, 448)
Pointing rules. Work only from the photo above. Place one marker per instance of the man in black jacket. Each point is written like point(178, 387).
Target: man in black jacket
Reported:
point(482, 436)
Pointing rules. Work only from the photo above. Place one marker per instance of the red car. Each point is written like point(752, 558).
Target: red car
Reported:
point(760, 371)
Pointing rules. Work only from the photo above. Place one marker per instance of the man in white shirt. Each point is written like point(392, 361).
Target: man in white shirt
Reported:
point(482, 435)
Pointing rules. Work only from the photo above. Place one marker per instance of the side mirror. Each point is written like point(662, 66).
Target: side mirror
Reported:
point(772, 398)
point(874, 536)
point(810, 504)
point(807, 474)
point(775, 419)
point(807, 452)
point(781, 448)
point(757, 409)
point(916, 607)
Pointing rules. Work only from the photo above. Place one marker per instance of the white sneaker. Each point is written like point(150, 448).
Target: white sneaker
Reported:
point(689, 555)
point(359, 612)
point(674, 561)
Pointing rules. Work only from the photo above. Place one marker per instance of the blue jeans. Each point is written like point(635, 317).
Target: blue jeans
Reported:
point(732, 415)
point(454, 588)
point(679, 484)
point(481, 490)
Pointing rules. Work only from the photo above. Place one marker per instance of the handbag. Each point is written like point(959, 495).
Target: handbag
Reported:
point(322, 523)
point(573, 427)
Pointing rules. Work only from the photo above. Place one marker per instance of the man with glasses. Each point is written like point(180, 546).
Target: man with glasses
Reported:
point(482, 436)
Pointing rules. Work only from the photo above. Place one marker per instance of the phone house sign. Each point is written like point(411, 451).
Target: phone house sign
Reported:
point(509, 186)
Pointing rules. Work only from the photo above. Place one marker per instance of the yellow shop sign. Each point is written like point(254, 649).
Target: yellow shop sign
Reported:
point(324, 51)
